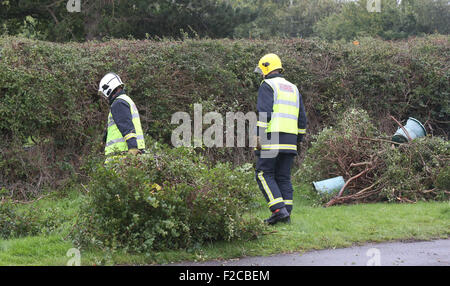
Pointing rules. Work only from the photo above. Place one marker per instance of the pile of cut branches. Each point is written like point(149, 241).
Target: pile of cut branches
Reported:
point(375, 168)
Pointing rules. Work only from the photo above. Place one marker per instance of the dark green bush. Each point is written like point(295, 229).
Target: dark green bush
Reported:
point(443, 179)
point(335, 148)
point(49, 91)
point(410, 172)
point(18, 219)
point(417, 171)
point(15, 224)
point(167, 199)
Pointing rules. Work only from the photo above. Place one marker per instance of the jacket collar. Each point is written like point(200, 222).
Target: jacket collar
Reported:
point(116, 95)
point(273, 75)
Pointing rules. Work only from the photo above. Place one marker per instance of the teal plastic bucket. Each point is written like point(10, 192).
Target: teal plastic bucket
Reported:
point(414, 128)
point(329, 185)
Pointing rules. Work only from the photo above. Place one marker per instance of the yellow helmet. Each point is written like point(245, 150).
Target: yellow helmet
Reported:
point(268, 63)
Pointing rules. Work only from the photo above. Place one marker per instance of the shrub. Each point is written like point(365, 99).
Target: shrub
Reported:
point(417, 171)
point(335, 148)
point(443, 179)
point(40, 98)
point(14, 224)
point(167, 199)
point(373, 169)
point(18, 220)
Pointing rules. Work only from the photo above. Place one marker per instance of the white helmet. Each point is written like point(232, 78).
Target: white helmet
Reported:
point(108, 83)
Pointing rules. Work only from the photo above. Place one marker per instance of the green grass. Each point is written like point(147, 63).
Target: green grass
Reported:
point(311, 228)
point(40, 250)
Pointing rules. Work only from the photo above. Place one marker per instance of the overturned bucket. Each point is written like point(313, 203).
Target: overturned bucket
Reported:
point(329, 185)
point(414, 128)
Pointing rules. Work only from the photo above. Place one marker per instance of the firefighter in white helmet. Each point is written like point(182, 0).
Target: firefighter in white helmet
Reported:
point(124, 132)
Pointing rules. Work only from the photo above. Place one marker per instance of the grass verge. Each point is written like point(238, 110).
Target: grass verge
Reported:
point(312, 227)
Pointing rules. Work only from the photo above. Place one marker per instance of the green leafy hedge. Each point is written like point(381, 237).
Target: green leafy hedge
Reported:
point(166, 199)
point(18, 219)
point(48, 92)
point(373, 168)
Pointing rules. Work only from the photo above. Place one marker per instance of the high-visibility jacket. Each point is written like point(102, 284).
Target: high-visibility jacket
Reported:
point(116, 142)
point(281, 111)
point(286, 105)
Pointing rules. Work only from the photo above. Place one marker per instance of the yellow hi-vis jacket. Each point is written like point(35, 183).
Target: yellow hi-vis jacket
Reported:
point(115, 141)
point(281, 111)
point(285, 106)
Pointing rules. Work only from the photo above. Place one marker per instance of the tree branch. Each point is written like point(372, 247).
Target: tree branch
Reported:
point(403, 128)
point(331, 202)
point(53, 15)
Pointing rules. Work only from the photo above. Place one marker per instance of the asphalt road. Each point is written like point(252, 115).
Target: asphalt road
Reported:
point(423, 253)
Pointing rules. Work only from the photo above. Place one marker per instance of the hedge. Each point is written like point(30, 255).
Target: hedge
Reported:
point(167, 199)
point(48, 92)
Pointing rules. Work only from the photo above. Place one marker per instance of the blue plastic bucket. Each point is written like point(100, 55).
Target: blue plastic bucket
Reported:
point(329, 185)
point(414, 128)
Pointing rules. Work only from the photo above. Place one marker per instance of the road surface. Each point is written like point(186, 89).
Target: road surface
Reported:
point(423, 253)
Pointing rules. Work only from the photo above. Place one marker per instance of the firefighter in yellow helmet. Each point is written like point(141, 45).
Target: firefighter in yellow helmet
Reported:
point(282, 123)
point(124, 132)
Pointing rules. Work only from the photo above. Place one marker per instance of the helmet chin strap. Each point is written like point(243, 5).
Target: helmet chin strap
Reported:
point(115, 92)
point(273, 72)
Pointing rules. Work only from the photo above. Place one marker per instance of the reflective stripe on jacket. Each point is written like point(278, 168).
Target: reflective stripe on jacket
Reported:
point(268, 99)
point(286, 104)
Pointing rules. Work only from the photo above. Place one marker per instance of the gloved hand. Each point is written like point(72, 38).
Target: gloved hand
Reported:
point(258, 143)
point(134, 151)
point(105, 135)
point(299, 138)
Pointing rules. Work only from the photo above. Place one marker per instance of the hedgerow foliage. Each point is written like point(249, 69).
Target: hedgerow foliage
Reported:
point(18, 220)
point(15, 224)
point(168, 198)
point(373, 168)
point(48, 92)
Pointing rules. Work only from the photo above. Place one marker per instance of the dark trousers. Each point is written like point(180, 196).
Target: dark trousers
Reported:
point(274, 179)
